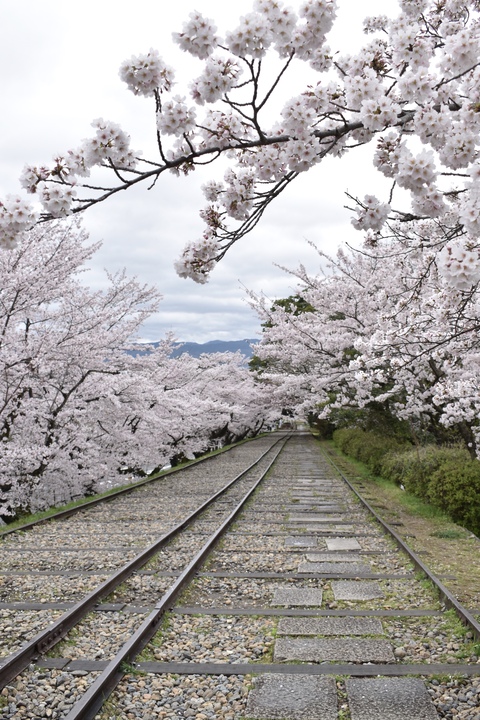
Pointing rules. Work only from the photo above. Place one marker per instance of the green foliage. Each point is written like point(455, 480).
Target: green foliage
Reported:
point(367, 447)
point(322, 427)
point(455, 488)
point(294, 304)
point(449, 534)
point(375, 417)
point(415, 468)
point(445, 477)
point(257, 365)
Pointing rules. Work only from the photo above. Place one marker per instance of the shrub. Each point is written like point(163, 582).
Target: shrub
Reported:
point(455, 488)
point(414, 468)
point(446, 477)
point(367, 447)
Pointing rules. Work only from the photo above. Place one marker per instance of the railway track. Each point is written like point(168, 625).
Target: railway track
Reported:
point(284, 598)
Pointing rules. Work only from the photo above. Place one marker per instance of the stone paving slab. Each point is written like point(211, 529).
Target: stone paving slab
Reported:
point(352, 650)
point(327, 527)
point(301, 541)
point(328, 489)
point(343, 544)
point(301, 501)
point(319, 500)
point(356, 590)
point(304, 488)
point(350, 557)
point(389, 699)
point(334, 567)
point(314, 507)
point(301, 489)
point(329, 626)
point(292, 697)
point(300, 597)
point(316, 492)
point(314, 518)
point(303, 508)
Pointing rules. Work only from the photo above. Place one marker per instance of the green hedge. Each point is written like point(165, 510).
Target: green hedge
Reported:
point(446, 477)
point(414, 468)
point(365, 446)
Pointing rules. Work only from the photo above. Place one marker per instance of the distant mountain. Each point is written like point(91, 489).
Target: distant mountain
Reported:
point(214, 346)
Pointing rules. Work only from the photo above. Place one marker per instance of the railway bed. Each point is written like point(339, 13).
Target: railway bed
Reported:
point(285, 598)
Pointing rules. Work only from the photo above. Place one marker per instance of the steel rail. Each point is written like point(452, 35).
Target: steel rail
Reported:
point(61, 514)
point(448, 598)
point(15, 663)
point(91, 702)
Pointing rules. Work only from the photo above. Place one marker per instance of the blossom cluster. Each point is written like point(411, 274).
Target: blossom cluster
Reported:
point(371, 214)
point(222, 129)
point(219, 77)
point(55, 187)
point(197, 260)
point(198, 36)
point(459, 265)
point(176, 118)
point(16, 216)
point(281, 21)
point(56, 199)
point(252, 38)
point(110, 144)
point(238, 193)
point(319, 16)
point(270, 163)
point(144, 74)
point(470, 207)
point(415, 171)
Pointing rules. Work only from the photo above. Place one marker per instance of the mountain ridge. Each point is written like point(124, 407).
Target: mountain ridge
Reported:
point(211, 346)
point(214, 346)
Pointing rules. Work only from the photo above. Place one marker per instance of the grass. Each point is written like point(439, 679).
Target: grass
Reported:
point(449, 534)
point(412, 504)
point(131, 669)
point(115, 594)
point(427, 584)
point(450, 550)
point(110, 712)
point(70, 640)
point(266, 658)
point(148, 653)
point(343, 707)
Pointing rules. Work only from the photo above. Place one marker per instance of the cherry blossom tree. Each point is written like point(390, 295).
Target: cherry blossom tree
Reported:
point(382, 325)
point(58, 342)
point(412, 92)
point(81, 404)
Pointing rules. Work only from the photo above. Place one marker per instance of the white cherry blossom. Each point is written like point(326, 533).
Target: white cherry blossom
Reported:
point(371, 214)
point(412, 89)
point(144, 74)
point(220, 76)
point(198, 36)
point(16, 216)
point(175, 117)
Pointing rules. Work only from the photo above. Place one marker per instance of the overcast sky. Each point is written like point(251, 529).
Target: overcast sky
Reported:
point(60, 65)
